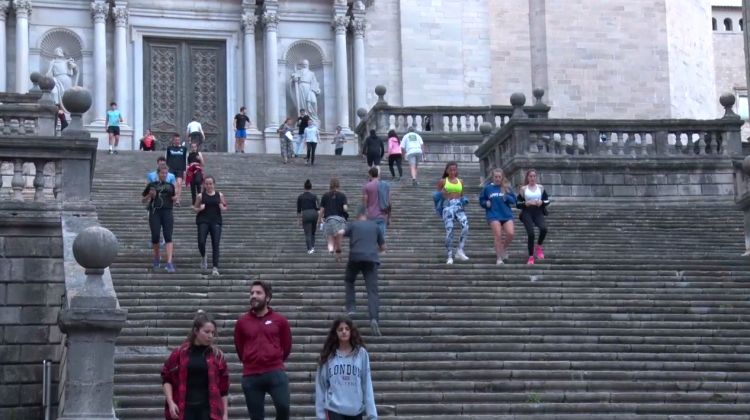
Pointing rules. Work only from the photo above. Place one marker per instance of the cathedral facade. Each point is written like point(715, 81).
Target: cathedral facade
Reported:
point(165, 62)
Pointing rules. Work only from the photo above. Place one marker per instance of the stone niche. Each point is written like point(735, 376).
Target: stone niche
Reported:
point(61, 58)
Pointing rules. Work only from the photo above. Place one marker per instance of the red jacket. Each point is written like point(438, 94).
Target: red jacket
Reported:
point(174, 372)
point(262, 343)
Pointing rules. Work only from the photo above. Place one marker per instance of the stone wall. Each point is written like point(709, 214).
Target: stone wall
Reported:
point(383, 50)
point(509, 48)
point(729, 60)
point(32, 284)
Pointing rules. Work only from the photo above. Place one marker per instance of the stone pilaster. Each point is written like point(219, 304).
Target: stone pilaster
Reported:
point(538, 35)
point(23, 10)
point(120, 15)
point(340, 23)
point(249, 20)
point(4, 7)
point(99, 11)
point(358, 50)
point(270, 21)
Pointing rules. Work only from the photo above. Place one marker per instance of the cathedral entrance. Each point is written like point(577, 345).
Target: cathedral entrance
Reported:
point(185, 79)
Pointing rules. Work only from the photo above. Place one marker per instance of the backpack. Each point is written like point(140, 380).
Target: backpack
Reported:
point(384, 196)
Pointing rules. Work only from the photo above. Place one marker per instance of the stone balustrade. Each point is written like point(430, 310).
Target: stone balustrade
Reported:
point(448, 131)
point(611, 158)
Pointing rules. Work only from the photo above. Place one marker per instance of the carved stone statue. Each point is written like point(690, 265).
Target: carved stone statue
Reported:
point(305, 89)
point(65, 72)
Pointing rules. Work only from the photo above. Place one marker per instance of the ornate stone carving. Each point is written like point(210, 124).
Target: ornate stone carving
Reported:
point(305, 89)
point(23, 8)
point(271, 21)
point(163, 89)
point(120, 14)
point(64, 71)
point(340, 22)
point(61, 54)
point(248, 22)
point(4, 7)
point(204, 62)
point(99, 10)
point(358, 26)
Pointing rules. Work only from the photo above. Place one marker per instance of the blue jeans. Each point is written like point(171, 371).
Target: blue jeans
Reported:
point(255, 387)
point(381, 225)
point(299, 141)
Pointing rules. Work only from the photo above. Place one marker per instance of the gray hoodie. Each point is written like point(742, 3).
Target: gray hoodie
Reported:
point(344, 386)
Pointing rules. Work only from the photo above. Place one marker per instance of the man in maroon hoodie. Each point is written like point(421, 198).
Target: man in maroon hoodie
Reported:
point(263, 341)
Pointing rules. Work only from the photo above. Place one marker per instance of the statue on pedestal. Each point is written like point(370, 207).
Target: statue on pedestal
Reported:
point(305, 89)
point(65, 73)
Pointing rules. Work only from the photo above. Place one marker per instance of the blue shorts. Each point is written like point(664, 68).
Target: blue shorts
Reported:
point(240, 133)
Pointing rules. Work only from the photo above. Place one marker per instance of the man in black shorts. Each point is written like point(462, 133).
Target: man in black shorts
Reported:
point(177, 163)
point(159, 196)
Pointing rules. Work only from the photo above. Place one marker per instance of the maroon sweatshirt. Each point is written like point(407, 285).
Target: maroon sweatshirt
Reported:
point(262, 343)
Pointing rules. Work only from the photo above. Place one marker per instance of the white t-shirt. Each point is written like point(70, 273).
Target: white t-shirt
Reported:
point(194, 126)
point(412, 143)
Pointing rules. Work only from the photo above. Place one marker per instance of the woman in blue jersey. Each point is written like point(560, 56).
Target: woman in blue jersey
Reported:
point(343, 385)
point(496, 198)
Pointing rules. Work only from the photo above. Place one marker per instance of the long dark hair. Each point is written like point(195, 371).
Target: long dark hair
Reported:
point(392, 133)
point(199, 321)
point(448, 165)
point(332, 340)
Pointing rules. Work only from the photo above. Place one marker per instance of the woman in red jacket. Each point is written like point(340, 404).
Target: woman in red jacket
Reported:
point(195, 377)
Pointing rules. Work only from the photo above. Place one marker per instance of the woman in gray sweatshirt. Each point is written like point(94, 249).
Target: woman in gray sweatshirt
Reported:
point(343, 387)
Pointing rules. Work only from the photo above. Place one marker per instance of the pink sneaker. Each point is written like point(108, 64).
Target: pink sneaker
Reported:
point(539, 251)
point(530, 261)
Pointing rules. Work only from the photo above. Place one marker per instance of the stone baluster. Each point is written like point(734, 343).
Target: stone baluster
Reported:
point(643, 145)
point(701, 144)
point(99, 11)
point(18, 182)
point(58, 179)
point(4, 7)
point(23, 10)
point(608, 145)
point(340, 23)
point(121, 15)
point(270, 21)
point(249, 20)
point(91, 321)
point(39, 180)
point(533, 143)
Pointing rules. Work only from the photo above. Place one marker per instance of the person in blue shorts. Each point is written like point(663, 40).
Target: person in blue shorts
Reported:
point(496, 198)
point(241, 121)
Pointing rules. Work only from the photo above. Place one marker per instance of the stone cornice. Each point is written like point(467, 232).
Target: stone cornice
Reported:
point(120, 14)
point(99, 10)
point(22, 7)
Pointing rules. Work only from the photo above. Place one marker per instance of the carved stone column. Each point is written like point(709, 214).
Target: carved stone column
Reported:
point(4, 7)
point(538, 34)
point(271, 22)
point(358, 49)
point(120, 15)
point(251, 95)
point(23, 10)
point(99, 11)
point(340, 23)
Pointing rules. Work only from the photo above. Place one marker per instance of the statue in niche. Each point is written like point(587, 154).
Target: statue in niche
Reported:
point(65, 73)
point(305, 90)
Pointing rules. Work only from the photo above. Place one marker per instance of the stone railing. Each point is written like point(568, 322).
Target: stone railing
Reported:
point(437, 123)
point(618, 157)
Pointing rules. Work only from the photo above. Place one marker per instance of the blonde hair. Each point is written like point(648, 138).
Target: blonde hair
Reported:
point(505, 185)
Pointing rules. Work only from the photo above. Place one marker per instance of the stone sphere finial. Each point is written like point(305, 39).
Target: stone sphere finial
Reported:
point(361, 113)
point(34, 77)
point(485, 128)
point(518, 100)
point(538, 94)
point(728, 100)
point(95, 248)
point(46, 83)
point(380, 90)
point(77, 100)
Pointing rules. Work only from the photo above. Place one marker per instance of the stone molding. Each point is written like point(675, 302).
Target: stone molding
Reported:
point(359, 25)
point(121, 15)
point(22, 7)
point(249, 21)
point(340, 23)
point(99, 11)
point(270, 21)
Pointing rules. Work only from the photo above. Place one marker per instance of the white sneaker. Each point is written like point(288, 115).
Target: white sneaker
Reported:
point(449, 261)
point(499, 261)
point(215, 272)
point(461, 256)
point(311, 251)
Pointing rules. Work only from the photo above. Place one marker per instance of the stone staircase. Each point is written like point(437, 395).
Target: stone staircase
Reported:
point(639, 311)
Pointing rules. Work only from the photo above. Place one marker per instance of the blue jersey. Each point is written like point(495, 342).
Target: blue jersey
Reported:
point(113, 118)
point(500, 203)
point(153, 177)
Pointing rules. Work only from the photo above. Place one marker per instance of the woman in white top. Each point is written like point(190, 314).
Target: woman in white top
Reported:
point(533, 201)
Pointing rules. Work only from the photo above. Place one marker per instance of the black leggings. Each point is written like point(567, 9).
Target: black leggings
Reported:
point(337, 416)
point(195, 189)
point(339, 151)
point(311, 152)
point(197, 412)
point(310, 225)
point(373, 159)
point(530, 217)
point(161, 221)
point(203, 230)
point(397, 160)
